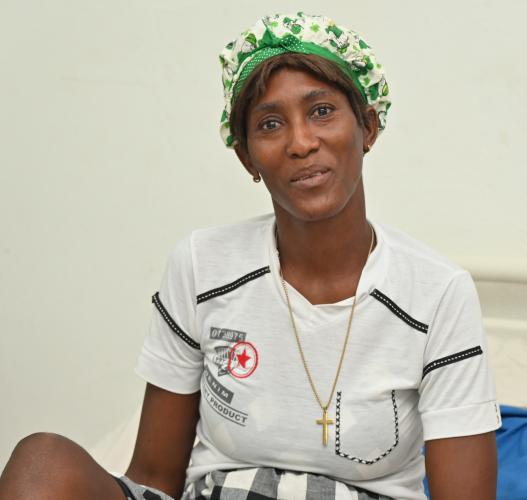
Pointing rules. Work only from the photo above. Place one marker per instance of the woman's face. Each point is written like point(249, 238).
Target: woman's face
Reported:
point(304, 141)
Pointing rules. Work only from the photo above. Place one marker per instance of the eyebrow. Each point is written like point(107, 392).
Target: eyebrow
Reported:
point(272, 105)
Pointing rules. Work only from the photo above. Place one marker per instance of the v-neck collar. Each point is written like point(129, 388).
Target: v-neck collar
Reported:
point(372, 273)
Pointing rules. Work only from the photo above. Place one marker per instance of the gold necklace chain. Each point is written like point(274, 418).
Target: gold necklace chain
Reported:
point(324, 421)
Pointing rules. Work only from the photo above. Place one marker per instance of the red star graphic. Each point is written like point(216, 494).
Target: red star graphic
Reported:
point(243, 358)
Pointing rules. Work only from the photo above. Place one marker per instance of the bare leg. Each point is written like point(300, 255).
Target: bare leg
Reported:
point(51, 467)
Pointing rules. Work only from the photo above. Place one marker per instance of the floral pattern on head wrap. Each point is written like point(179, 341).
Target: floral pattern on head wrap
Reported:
point(306, 34)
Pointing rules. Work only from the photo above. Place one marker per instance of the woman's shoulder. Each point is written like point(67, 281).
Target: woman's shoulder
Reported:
point(415, 276)
point(232, 249)
point(409, 254)
point(246, 237)
point(252, 227)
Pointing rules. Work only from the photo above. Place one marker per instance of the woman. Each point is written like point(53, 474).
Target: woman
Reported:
point(312, 350)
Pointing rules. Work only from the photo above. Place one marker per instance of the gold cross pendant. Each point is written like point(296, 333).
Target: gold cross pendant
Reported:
point(325, 421)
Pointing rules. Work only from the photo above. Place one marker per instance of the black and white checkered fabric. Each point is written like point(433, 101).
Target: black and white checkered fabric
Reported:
point(272, 484)
point(257, 484)
point(134, 491)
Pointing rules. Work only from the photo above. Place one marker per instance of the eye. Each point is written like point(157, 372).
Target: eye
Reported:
point(322, 110)
point(270, 124)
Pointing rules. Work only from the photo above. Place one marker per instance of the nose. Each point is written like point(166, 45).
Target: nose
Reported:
point(302, 140)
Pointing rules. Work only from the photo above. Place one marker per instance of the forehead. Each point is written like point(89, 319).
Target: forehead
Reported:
point(291, 86)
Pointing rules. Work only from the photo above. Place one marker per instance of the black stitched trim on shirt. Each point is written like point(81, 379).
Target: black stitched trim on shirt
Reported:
point(365, 461)
point(453, 358)
point(222, 290)
point(392, 306)
point(171, 323)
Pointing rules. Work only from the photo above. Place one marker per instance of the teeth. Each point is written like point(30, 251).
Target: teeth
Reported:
point(315, 174)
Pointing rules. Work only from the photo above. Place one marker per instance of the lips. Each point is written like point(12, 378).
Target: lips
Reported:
point(311, 178)
point(309, 173)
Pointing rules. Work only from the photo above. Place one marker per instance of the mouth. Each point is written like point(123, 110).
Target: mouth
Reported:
point(311, 177)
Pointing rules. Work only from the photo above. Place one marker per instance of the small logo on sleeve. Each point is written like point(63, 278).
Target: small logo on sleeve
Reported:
point(243, 360)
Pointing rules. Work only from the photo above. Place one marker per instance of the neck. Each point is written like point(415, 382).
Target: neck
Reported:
point(324, 259)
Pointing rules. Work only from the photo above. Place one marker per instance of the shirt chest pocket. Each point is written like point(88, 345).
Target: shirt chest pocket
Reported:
point(367, 429)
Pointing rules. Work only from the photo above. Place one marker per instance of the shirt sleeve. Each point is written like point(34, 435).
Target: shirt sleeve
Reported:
point(457, 395)
point(171, 356)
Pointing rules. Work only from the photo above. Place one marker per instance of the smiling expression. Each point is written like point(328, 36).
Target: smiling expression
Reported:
point(304, 140)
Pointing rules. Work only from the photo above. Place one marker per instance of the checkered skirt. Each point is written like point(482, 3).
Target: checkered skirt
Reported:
point(258, 484)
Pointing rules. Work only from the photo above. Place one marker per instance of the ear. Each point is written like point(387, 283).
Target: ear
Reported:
point(243, 156)
point(370, 129)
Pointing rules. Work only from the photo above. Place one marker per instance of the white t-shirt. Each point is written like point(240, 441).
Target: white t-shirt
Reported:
point(415, 368)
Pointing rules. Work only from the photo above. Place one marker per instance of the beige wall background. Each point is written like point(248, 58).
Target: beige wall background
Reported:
point(111, 153)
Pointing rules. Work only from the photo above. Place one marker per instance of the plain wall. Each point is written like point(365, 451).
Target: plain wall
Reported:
point(110, 153)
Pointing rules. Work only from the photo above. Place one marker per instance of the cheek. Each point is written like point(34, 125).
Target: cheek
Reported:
point(265, 158)
point(346, 147)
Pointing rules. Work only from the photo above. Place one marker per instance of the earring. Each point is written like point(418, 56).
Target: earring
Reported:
point(366, 149)
point(257, 178)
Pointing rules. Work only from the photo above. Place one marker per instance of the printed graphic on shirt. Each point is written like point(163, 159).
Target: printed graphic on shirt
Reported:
point(222, 352)
point(243, 360)
point(236, 357)
point(217, 388)
point(223, 409)
point(226, 334)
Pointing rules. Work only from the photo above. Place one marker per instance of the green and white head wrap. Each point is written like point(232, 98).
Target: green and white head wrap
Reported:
point(305, 34)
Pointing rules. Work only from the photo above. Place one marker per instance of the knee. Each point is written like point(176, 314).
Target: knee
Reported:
point(36, 463)
point(38, 446)
point(40, 454)
point(39, 440)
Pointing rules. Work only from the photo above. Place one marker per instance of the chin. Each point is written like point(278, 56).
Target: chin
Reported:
point(316, 212)
point(317, 207)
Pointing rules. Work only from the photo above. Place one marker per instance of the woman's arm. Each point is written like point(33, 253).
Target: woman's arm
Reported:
point(166, 435)
point(463, 468)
